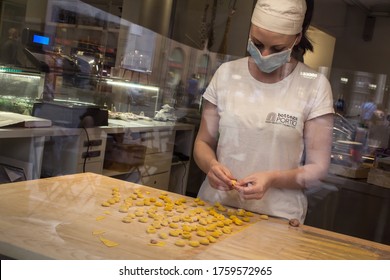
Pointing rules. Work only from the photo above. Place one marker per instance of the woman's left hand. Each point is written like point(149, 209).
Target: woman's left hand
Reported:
point(254, 186)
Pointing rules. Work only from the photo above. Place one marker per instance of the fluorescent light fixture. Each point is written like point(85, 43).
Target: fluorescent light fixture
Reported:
point(131, 85)
point(73, 101)
point(10, 70)
point(372, 86)
point(347, 142)
point(309, 75)
point(27, 77)
point(344, 80)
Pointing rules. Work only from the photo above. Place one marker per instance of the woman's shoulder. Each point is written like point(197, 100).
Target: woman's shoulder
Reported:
point(306, 72)
point(230, 68)
point(234, 64)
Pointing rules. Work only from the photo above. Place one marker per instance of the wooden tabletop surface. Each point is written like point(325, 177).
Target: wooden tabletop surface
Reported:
point(63, 218)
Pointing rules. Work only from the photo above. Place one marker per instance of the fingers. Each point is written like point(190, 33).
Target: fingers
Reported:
point(220, 177)
point(249, 191)
point(218, 183)
point(222, 188)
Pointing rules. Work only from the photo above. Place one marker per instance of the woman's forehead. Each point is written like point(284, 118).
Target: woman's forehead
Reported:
point(266, 36)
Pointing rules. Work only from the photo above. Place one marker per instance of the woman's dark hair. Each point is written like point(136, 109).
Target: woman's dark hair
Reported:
point(305, 44)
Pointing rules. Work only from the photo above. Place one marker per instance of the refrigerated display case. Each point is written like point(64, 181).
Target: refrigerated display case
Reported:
point(19, 89)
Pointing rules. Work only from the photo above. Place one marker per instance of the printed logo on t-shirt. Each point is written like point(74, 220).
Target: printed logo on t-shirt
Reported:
point(282, 118)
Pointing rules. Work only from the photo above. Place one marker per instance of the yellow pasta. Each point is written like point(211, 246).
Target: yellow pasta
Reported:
point(198, 225)
point(180, 243)
point(186, 235)
point(111, 201)
point(107, 242)
point(204, 241)
point(249, 214)
point(143, 220)
point(186, 228)
point(128, 201)
point(106, 204)
point(98, 232)
point(246, 219)
point(194, 243)
point(187, 219)
point(175, 233)
point(156, 224)
point(123, 209)
point(201, 233)
point(163, 235)
point(140, 203)
point(127, 219)
point(176, 219)
point(211, 239)
point(131, 215)
point(227, 230)
point(151, 229)
point(220, 224)
point(139, 213)
point(173, 225)
point(211, 227)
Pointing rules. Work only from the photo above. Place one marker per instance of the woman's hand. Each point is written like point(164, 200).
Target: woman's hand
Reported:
point(220, 176)
point(254, 186)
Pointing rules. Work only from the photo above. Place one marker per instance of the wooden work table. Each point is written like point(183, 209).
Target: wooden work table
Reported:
point(59, 218)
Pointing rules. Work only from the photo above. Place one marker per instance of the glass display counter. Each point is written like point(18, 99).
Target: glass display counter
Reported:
point(115, 94)
point(19, 89)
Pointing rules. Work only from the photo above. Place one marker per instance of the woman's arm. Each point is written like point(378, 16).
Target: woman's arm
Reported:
point(318, 143)
point(205, 146)
point(318, 135)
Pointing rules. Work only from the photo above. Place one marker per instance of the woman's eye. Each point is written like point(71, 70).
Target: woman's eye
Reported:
point(277, 50)
point(259, 46)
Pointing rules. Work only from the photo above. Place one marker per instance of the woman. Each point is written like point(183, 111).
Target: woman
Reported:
point(266, 127)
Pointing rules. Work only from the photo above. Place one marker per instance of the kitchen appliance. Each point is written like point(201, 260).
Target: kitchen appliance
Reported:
point(71, 114)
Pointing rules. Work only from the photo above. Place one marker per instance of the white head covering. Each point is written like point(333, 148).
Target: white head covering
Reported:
point(280, 16)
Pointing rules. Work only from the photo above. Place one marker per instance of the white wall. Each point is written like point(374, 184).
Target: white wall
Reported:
point(352, 52)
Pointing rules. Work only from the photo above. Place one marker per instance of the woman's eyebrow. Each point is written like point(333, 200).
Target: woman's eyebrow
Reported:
point(257, 41)
point(273, 46)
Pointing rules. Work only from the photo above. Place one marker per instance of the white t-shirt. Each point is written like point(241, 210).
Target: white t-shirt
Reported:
point(261, 128)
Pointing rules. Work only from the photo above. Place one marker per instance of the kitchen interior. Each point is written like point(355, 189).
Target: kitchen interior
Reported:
point(111, 77)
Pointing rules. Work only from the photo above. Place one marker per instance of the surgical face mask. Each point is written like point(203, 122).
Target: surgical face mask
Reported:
point(270, 62)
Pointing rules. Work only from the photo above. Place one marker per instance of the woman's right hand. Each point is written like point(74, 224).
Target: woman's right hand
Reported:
point(219, 176)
